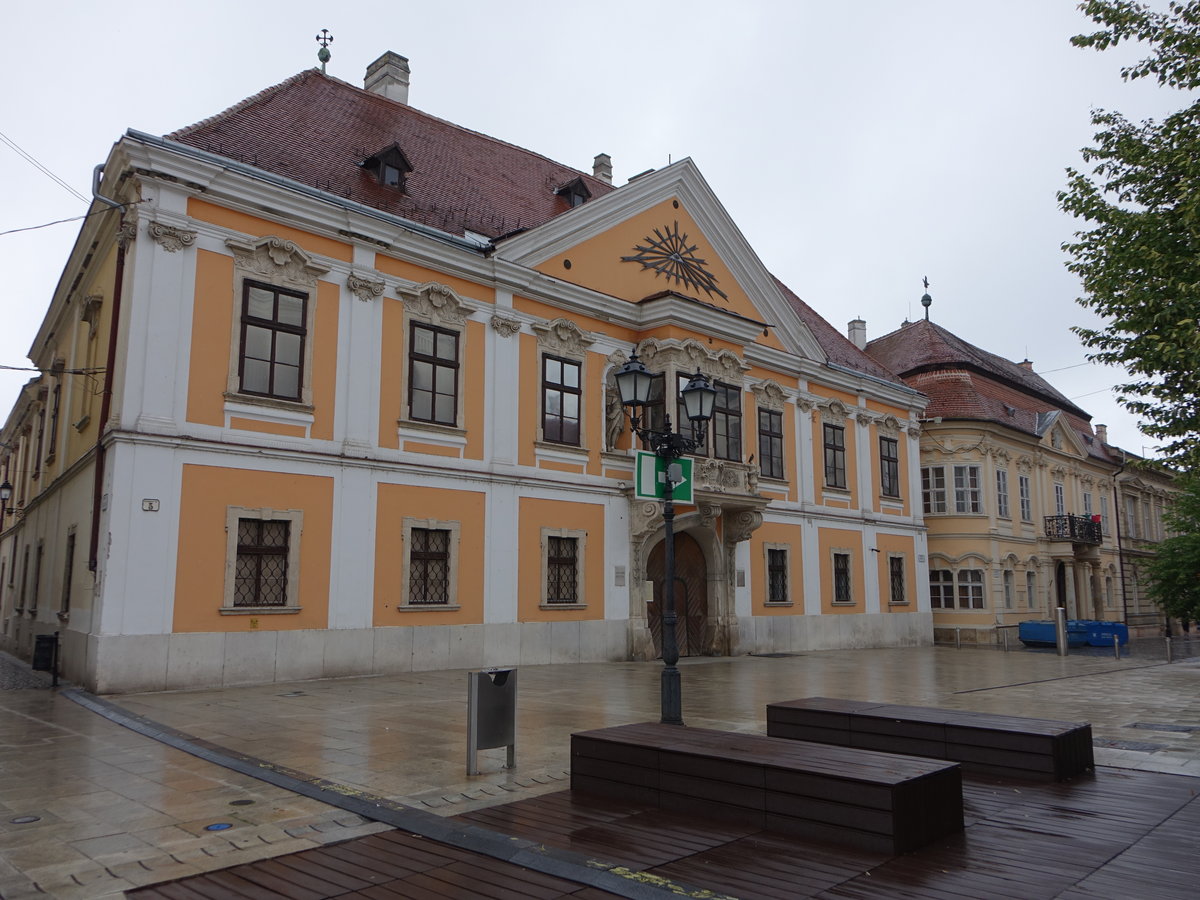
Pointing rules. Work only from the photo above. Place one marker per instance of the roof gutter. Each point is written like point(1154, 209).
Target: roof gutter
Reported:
point(289, 184)
point(904, 388)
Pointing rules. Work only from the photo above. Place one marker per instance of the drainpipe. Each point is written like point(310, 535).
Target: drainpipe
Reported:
point(109, 365)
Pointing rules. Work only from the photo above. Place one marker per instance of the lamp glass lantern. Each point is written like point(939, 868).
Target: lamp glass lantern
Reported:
point(699, 396)
point(6, 492)
point(634, 383)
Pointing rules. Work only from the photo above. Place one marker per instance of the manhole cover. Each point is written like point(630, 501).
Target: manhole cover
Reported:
point(241, 802)
point(1142, 746)
point(293, 694)
point(25, 820)
point(218, 826)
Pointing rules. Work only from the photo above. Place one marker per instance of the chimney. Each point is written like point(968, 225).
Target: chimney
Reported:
point(857, 332)
point(388, 76)
point(1102, 433)
point(1026, 364)
point(602, 167)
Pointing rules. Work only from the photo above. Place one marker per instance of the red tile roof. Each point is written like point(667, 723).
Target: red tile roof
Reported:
point(317, 130)
point(966, 382)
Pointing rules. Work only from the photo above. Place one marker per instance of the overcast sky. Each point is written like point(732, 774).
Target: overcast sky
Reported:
point(859, 146)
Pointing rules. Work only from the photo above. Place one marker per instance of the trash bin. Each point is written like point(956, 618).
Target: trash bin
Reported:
point(45, 648)
point(491, 714)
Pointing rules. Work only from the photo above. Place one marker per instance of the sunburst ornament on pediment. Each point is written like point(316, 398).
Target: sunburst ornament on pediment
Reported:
point(669, 253)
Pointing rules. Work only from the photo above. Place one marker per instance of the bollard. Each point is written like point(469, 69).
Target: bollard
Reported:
point(1117, 646)
point(1060, 630)
point(957, 638)
point(491, 714)
point(1005, 633)
point(1169, 659)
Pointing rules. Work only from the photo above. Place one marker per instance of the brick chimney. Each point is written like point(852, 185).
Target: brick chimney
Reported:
point(857, 332)
point(1026, 364)
point(388, 76)
point(602, 167)
point(1102, 433)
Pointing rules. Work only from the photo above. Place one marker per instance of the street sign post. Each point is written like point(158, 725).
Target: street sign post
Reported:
point(650, 480)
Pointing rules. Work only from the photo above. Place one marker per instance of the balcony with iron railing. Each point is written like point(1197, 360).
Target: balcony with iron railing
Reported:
point(1077, 529)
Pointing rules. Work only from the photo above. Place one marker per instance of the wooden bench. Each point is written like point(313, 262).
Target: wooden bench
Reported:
point(982, 742)
point(875, 801)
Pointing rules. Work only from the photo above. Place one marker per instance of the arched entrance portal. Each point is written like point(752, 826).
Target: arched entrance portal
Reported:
point(691, 595)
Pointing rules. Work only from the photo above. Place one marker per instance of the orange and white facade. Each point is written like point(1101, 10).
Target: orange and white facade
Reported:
point(283, 433)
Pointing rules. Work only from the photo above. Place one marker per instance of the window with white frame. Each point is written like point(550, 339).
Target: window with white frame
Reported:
point(1009, 589)
point(842, 583)
point(262, 561)
point(1031, 588)
point(967, 495)
point(563, 568)
point(1060, 499)
point(1087, 503)
point(1002, 493)
point(1131, 519)
point(941, 588)
point(970, 588)
point(777, 575)
point(430, 573)
point(897, 593)
point(1104, 525)
point(933, 489)
point(1026, 495)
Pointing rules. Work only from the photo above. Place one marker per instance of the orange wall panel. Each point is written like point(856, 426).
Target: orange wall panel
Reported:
point(419, 274)
point(896, 543)
point(258, 227)
point(828, 540)
point(206, 493)
point(534, 515)
point(397, 502)
point(777, 533)
point(212, 336)
point(391, 373)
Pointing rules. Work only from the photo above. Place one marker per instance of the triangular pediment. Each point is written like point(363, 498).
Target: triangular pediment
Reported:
point(1058, 435)
point(663, 242)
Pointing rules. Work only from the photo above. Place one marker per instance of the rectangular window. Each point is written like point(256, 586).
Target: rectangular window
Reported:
point(560, 400)
point(429, 567)
point(777, 576)
point(1147, 521)
point(896, 579)
point(1087, 504)
point(433, 375)
point(562, 569)
point(1031, 589)
point(56, 402)
point(1002, 493)
point(1026, 498)
point(933, 489)
point(966, 490)
point(1060, 500)
point(24, 580)
point(654, 410)
point(1009, 588)
point(1131, 522)
point(261, 576)
point(889, 467)
point(841, 578)
point(941, 589)
point(1104, 513)
point(770, 443)
point(970, 589)
point(835, 456)
point(727, 422)
point(272, 342)
point(68, 574)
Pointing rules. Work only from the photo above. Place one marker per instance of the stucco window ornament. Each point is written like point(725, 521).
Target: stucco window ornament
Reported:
point(563, 336)
point(505, 327)
point(275, 259)
point(89, 311)
point(169, 237)
point(806, 403)
point(769, 395)
point(127, 233)
point(364, 287)
point(689, 356)
point(834, 412)
point(888, 426)
point(1024, 464)
point(436, 303)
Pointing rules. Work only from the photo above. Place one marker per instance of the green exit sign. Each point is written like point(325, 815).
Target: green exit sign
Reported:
point(650, 478)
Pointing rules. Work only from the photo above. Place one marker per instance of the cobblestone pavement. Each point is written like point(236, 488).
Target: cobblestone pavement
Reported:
point(115, 808)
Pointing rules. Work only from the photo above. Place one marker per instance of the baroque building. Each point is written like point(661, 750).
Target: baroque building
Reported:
point(1022, 497)
point(327, 389)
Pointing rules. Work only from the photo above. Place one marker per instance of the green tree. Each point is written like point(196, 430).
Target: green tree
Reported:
point(1139, 261)
point(1174, 573)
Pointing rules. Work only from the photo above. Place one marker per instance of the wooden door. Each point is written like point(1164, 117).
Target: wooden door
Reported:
point(691, 595)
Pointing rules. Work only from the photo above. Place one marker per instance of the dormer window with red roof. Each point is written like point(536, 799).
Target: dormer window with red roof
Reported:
point(390, 166)
point(575, 191)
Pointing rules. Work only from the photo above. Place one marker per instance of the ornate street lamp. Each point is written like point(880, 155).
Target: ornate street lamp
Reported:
point(634, 382)
point(6, 491)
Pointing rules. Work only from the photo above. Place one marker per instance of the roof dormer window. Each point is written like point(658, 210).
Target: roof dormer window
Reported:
point(390, 166)
point(575, 192)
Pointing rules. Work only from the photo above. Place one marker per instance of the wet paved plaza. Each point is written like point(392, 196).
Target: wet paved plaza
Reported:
point(117, 809)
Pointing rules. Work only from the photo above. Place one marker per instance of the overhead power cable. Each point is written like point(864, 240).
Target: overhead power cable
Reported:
point(33, 162)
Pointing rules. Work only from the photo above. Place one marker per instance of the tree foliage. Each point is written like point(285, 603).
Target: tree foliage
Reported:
point(1139, 261)
point(1174, 573)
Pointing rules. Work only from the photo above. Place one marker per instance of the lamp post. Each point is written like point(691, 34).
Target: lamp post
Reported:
point(6, 492)
point(634, 382)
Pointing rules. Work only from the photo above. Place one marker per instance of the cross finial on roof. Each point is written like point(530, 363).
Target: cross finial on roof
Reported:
point(324, 39)
point(926, 300)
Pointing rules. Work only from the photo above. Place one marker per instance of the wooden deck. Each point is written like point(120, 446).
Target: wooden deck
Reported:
point(1115, 833)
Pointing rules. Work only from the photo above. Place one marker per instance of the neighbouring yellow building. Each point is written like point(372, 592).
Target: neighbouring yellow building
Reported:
point(1021, 496)
point(326, 389)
